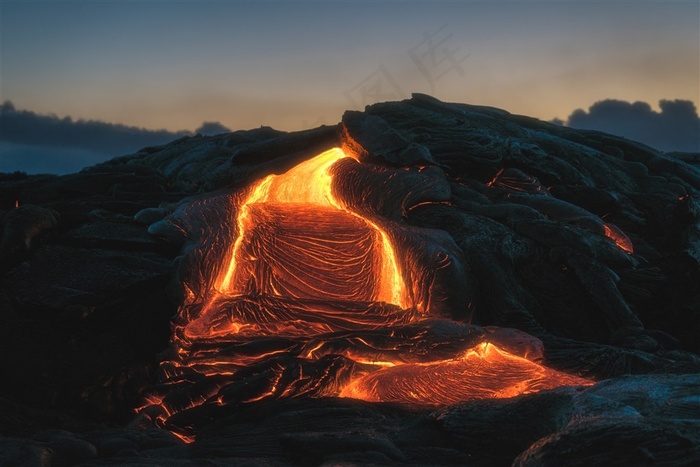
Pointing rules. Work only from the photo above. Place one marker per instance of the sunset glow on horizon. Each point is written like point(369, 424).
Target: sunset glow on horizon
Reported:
point(290, 65)
point(296, 65)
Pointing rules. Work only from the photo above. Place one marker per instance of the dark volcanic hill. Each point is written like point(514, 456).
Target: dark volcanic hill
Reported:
point(576, 251)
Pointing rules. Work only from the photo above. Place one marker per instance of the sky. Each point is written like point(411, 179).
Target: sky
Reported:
point(166, 67)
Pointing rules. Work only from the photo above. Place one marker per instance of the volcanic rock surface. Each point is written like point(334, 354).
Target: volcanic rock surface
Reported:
point(575, 252)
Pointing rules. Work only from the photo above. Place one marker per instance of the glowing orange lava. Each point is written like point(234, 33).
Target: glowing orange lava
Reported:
point(311, 301)
point(483, 372)
point(309, 185)
point(618, 236)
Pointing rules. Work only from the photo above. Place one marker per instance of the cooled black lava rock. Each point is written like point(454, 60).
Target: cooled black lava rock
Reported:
point(587, 241)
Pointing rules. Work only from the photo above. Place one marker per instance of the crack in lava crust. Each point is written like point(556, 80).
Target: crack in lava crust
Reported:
point(316, 299)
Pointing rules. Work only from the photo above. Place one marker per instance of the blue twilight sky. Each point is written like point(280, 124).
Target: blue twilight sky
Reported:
point(172, 65)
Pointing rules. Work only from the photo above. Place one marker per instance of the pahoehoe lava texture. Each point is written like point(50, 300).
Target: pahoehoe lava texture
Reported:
point(573, 251)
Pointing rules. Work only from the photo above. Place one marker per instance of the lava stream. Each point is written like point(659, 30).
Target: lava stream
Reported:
point(311, 301)
point(307, 190)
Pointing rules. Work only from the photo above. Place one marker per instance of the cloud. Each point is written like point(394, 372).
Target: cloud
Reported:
point(26, 127)
point(675, 128)
point(211, 129)
point(36, 143)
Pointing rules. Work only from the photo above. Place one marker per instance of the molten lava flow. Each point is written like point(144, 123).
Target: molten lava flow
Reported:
point(298, 250)
point(618, 236)
point(297, 241)
point(310, 301)
point(483, 372)
point(324, 250)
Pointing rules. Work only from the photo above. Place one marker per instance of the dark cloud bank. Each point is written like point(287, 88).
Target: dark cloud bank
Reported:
point(675, 128)
point(36, 143)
